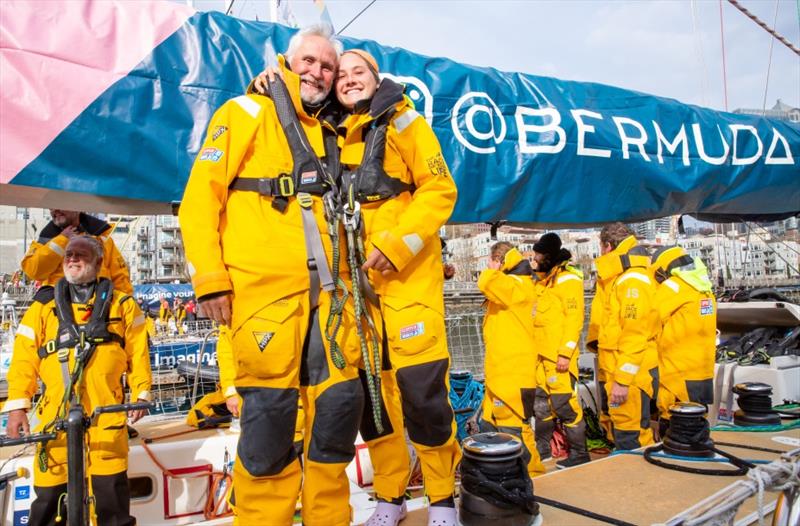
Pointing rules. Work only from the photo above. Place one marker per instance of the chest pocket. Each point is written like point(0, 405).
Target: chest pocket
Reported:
point(545, 310)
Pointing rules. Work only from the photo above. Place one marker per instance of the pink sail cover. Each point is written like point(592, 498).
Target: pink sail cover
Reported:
point(57, 57)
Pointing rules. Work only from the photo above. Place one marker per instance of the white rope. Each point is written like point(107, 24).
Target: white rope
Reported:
point(776, 476)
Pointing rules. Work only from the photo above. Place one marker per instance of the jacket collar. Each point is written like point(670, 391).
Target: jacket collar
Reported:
point(624, 256)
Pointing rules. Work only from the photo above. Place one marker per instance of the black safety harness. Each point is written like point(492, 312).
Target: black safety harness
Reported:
point(84, 339)
point(311, 176)
point(369, 182)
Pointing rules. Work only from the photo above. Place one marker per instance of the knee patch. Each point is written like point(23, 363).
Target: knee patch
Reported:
point(528, 402)
point(563, 409)
point(626, 440)
point(700, 391)
point(112, 499)
point(268, 420)
point(368, 429)
point(337, 415)
point(541, 405)
point(426, 405)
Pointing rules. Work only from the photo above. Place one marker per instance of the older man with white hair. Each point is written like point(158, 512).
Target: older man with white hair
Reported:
point(81, 309)
point(261, 258)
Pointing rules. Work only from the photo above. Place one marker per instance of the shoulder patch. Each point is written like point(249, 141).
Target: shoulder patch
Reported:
point(248, 105)
point(402, 122)
point(45, 294)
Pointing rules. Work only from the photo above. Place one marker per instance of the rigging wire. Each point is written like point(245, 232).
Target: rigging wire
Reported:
point(724, 68)
point(230, 7)
point(764, 26)
point(784, 243)
point(698, 40)
point(769, 62)
point(355, 17)
point(750, 229)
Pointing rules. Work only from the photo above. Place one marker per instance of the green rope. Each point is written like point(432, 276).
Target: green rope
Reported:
point(355, 255)
point(757, 429)
point(338, 295)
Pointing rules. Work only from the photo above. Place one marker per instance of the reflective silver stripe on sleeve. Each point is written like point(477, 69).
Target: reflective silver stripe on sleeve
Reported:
point(634, 275)
point(24, 330)
point(413, 242)
point(248, 105)
point(55, 247)
point(402, 122)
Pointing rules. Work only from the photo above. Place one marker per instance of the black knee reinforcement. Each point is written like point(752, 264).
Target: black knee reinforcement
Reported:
point(112, 499)
point(626, 440)
point(268, 419)
point(563, 409)
point(45, 508)
point(426, 405)
point(541, 404)
point(528, 397)
point(337, 414)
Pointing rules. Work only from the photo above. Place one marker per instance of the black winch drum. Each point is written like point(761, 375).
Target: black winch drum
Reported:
point(491, 449)
point(686, 411)
point(755, 405)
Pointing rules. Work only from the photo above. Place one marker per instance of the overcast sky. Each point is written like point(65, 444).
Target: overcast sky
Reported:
point(666, 48)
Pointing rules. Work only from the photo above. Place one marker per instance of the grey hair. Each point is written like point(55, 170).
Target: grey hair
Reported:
point(319, 30)
point(97, 246)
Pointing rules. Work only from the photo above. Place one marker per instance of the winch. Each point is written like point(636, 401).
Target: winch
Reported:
point(688, 433)
point(495, 485)
point(755, 405)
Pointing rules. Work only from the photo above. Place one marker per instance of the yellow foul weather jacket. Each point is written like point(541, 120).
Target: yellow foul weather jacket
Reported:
point(102, 382)
point(510, 361)
point(405, 228)
point(687, 344)
point(624, 321)
point(558, 315)
point(45, 256)
point(235, 240)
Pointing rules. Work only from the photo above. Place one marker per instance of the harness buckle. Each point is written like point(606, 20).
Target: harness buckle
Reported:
point(50, 347)
point(285, 185)
point(63, 354)
point(304, 199)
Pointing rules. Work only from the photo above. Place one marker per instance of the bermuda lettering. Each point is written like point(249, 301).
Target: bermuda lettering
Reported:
point(480, 126)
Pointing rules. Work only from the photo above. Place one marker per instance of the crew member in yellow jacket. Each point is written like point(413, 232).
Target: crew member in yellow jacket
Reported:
point(687, 346)
point(557, 325)
point(510, 360)
point(623, 330)
point(45, 256)
point(257, 243)
point(393, 166)
point(85, 305)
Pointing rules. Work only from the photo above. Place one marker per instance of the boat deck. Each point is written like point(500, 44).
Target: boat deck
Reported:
point(628, 488)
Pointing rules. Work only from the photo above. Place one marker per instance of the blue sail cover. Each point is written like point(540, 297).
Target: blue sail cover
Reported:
point(522, 148)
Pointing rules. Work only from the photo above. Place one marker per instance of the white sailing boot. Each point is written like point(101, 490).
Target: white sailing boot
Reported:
point(387, 514)
point(441, 516)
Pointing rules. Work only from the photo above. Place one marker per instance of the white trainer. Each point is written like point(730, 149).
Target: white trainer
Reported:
point(441, 516)
point(387, 514)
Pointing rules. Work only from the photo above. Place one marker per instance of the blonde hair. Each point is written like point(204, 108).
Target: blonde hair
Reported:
point(500, 249)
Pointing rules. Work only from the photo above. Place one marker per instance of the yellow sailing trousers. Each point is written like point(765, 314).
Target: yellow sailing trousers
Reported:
point(282, 357)
point(556, 395)
point(416, 341)
point(627, 425)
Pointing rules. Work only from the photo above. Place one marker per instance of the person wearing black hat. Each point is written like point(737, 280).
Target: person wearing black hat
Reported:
point(557, 324)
